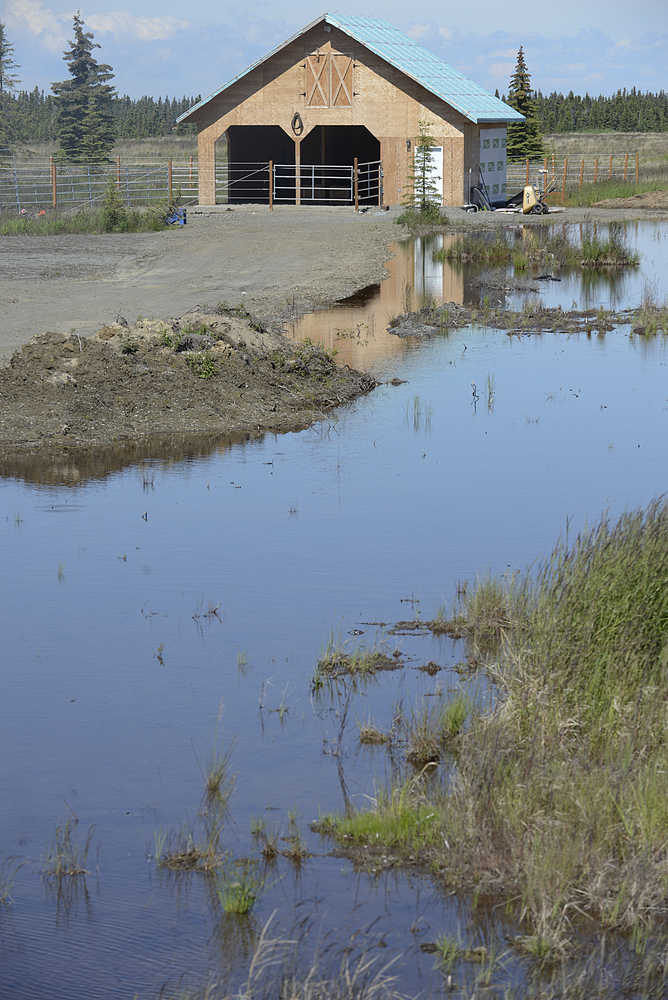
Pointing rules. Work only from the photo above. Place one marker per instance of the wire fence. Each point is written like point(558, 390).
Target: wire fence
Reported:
point(569, 172)
point(44, 186)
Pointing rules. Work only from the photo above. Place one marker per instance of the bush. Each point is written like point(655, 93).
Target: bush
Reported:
point(114, 212)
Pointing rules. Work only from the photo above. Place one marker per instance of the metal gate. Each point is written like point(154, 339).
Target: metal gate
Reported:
point(328, 183)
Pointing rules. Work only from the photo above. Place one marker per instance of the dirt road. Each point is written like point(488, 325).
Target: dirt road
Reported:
point(270, 262)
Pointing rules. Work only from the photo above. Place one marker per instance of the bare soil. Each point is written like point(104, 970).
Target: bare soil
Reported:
point(204, 373)
point(650, 200)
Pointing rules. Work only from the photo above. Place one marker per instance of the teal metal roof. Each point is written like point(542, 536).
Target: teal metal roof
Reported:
point(411, 59)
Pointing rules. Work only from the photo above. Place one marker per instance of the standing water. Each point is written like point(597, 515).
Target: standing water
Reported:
point(162, 610)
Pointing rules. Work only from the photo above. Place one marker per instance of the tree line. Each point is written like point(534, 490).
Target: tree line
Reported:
point(86, 115)
point(33, 116)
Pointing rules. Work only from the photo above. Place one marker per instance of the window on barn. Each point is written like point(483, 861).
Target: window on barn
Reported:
point(328, 80)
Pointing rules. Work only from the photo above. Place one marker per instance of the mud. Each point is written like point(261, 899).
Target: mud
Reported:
point(220, 374)
point(533, 319)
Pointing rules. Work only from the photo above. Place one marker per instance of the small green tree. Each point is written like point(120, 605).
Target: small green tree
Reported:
point(85, 121)
point(423, 195)
point(8, 81)
point(523, 138)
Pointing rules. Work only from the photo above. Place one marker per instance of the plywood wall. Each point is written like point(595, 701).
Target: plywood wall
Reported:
point(388, 103)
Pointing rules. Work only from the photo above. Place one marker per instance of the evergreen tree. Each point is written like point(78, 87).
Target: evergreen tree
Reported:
point(524, 138)
point(423, 193)
point(85, 118)
point(8, 81)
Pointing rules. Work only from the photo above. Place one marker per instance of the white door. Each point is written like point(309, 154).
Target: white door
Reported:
point(436, 169)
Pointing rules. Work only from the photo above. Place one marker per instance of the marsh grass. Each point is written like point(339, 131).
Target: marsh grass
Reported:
point(651, 318)
point(9, 869)
point(183, 851)
point(431, 729)
point(371, 735)
point(65, 858)
point(238, 887)
point(545, 251)
point(559, 801)
point(336, 662)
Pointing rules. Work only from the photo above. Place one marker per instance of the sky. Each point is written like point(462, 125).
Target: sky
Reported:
point(165, 47)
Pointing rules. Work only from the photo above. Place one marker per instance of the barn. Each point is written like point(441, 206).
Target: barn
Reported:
point(330, 116)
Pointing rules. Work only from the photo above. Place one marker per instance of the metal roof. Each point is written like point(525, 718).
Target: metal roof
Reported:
point(411, 59)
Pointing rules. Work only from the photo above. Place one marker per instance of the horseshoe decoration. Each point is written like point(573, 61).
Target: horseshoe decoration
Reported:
point(297, 123)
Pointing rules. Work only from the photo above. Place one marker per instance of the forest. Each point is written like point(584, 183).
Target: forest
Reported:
point(32, 115)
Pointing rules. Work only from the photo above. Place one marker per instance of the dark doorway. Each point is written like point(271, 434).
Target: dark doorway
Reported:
point(332, 149)
point(250, 148)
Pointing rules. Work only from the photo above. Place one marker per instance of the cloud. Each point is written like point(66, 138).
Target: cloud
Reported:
point(44, 24)
point(53, 28)
point(121, 23)
point(501, 68)
point(445, 33)
point(417, 31)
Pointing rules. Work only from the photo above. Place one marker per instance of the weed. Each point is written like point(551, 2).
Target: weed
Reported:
point(65, 858)
point(428, 215)
point(8, 872)
point(370, 734)
point(237, 889)
point(242, 660)
point(448, 951)
point(336, 662)
point(202, 364)
point(180, 851)
point(129, 345)
point(219, 782)
point(296, 850)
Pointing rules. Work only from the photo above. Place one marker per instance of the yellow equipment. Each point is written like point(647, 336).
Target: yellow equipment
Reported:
point(533, 203)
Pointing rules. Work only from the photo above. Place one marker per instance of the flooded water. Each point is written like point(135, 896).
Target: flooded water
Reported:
point(153, 610)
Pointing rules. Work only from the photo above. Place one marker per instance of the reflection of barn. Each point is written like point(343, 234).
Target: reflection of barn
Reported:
point(335, 111)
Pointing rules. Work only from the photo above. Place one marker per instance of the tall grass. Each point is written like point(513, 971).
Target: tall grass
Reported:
point(560, 796)
point(589, 194)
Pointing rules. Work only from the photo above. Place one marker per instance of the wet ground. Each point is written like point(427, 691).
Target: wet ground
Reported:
point(119, 678)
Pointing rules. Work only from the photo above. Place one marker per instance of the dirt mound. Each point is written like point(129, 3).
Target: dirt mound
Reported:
point(655, 200)
point(218, 373)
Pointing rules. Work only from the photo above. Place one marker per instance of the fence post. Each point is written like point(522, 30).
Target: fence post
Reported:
point(553, 167)
point(527, 171)
point(169, 180)
point(610, 169)
point(271, 185)
point(380, 184)
point(190, 172)
point(582, 170)
point(356, 185)
point(563, 179)
point(637, 167)
point(626, 166)
point(118, 172)
point(54, 184)
point(596, 170)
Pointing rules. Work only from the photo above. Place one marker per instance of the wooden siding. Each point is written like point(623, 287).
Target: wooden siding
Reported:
point(330, 79)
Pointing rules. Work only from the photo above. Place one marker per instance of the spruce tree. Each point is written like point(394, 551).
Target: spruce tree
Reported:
point(423, 194)
point(523, 138)
point(85, 120)
point(8, 81)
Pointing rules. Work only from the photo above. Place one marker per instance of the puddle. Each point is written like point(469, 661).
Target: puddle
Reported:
point(116, 682)
point(356, 328)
